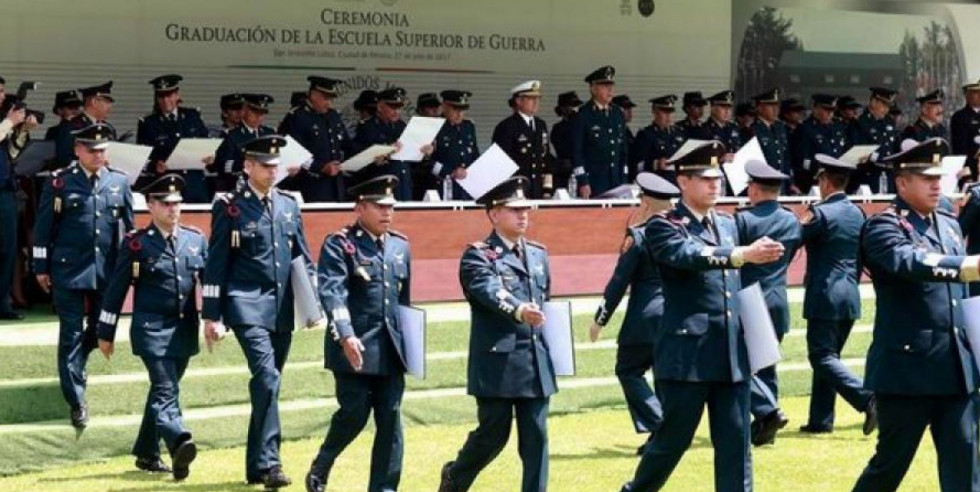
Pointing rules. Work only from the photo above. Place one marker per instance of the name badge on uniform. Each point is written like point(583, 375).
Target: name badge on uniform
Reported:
point(522, 138)
point(251, 226)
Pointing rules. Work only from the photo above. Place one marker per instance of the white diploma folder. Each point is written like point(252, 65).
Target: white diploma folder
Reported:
point(294, 154)
point(735, 173)
point(971, 318)
point(306, 306)
point(190, 153)
point(857, 153)
point(760, 336)
point(128, 158)
point(420, 131)
point(559, 337)
point(411, 322)
point(952, 165)
point(365, 158)
point(490, 169)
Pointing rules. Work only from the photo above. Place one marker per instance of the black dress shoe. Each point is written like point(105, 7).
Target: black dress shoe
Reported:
point(815, 429)
point(275, 479)
point(152, 465)
point(870, 417)
point(315, 482)
point(182, 458)
point(79, 417)
point(446, 481)
point(764, 430)
point(627, 487)
point(11, 315)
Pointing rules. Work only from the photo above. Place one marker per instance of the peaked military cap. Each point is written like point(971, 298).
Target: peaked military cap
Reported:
point(883, 94)
point(623, 101)
point(529, 88)
point(104, 91)
point(166, 83)
point(231, 101)
point(258, 102)
point(920, 157)
point(394, 96)
point(297, 98)
point(745, 109)
point(664, 103)
point(972, 86)
point(848, 102)
point(380, 190)
point(654, 186)
point(459, 99)
point(95, 136)
point(325, 85)
point(602, 75)
point(427, 100)
point(791, 105)
point(934, 97)
point(166, 188)
point(703, 160)
point(509, 193)
point(772, 96)
point(761, 172)
point(264, 149)
point(825, 101)
point(367, 99)
point(66, 99)
point(723, 98)
point(570, 98)
point(694, 98)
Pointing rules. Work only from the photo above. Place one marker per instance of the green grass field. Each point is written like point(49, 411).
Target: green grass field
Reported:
point(592, 441)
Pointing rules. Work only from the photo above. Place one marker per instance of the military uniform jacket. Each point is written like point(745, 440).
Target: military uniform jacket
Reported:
point(530, 151)
point(653, 143)
point(969, 218)
point(921, 131)
point(455, 147)
point(880, 132)
point(162, 132)
point(600, 149)
point(361, 288)
point(561, 140)
point(919, 346)
point(701, 338)
point(229, 158)
point(818, 138)
point(831, 234)
point(774, 141)
point(726, 133)
point(697, 130)
point(323, 135)
point(374, 131)
point(636, 271)
point(247, 277)
point(77, 231)
point(771, 219)
point(508, 358)
point(964, 128)
point(65, 142)
point(164, 279)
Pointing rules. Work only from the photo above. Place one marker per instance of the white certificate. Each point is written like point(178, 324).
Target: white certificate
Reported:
point(294, 154)
point(190, 153)
point(559, 337)
point(365, 158)
point(306, 306)
point(490, 169)
point(760, 337)
point(952, 165)
point(735, 173)
point(411, 322)
point(688, 146)
point(128, 158)
point(421, 131)
point(858, 153)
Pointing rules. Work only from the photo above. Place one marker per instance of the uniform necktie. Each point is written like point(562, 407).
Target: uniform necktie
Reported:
point(530, 124)
point(266, 204)
point(94, 180)
point(706, 222)
point(380, 243)
point(171, 243)
point(518, 252)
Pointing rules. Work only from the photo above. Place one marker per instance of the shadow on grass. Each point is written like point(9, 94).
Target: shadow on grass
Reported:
point(620, 451)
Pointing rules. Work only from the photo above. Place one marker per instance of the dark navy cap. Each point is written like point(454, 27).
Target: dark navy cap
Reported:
point(95, 136)
point(166, 188)
point(761, 172)
point(325, 85)
point(427, 100)
point(264, 149)
point(297, 98)
point(602, 75)
point(745, 109)
point(723, 98)
point(895, 111)
point(231, 101)
point(258, 102)
point(380, 190)
point(772, 96)
point(66, 99)
point(570, 98)
point(920, 157)
point(654, 186)
point(166, 83)
point(509, 194)
point(883, 94)
point(664, 103)
point(704, 160)
point(848, 102)
point(791, 105)
point(623, 101)
point(395, 96)
point(367, 99)
point(828, 163)
point(934, 97)
point(825, 101)
point(459, 99)
point(694, 98)
point(972, 86)
point(104, 91)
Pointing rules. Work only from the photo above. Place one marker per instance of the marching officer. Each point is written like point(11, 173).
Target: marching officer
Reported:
point(229, 159)
point(657, 143)
point(765, 217)
point(876, 126)
point(163, 263)
point(720, 123)
point(964, 128)
point(364, 275)
point(96, 105)
point(67, 105)
point(455, 147)
point(929, 124)
point(561, 137)
point(318, 127)
point(601, 147)
point(821, 133)
point(920, 364)
point(691, 126)
point(524, 137)
point(164, 128)
point(831, 235)
point(84, 210)
point(256, 232)
point(506, 281)
point(700, 355)
point(635, 271)
point(773, 135)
